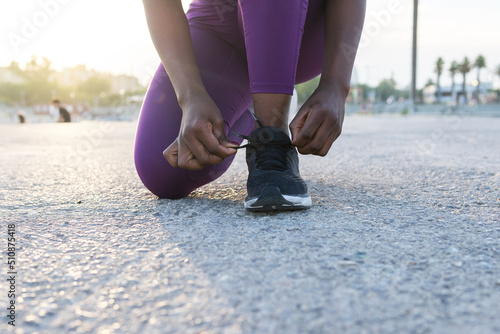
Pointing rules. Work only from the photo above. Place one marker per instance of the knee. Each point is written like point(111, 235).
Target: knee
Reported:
point(162, 179)
point(165, 181)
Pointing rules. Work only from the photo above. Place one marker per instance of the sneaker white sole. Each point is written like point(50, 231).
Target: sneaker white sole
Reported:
point(271, 199)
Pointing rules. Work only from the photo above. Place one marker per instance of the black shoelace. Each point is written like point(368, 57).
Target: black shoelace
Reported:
point(270, 155)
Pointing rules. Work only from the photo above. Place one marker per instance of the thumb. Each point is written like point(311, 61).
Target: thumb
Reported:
point(171, 153)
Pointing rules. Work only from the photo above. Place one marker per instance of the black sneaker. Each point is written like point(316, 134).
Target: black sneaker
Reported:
point(274, 182)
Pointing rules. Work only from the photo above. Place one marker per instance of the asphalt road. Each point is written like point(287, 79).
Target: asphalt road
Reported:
point(403, 236)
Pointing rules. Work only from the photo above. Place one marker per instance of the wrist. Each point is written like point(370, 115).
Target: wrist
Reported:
point(184, 98)
point(334, 86)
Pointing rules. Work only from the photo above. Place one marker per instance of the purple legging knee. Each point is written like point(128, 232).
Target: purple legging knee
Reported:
point(241, 47)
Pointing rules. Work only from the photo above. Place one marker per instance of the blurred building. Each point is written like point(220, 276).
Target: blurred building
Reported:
point(124, 83)
point(73, 76)
point(449, 95)
point(10, 76)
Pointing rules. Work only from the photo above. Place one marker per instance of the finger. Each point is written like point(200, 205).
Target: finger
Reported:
point(311, 125)
point(213, 147)
point(225, 142)
point(198, 147)
point(186, 158)
point(298, 122)
point(317, 144)
point(328, 144)
point(322, 149)
point(171, 153)
point(212, 151)
point(225, 147)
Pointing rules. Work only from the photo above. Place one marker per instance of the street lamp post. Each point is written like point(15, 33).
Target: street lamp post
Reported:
point(413, 89)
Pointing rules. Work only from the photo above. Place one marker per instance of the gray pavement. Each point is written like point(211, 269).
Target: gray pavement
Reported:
point(403, 236)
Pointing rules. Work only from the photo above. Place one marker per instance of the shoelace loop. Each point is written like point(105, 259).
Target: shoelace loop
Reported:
point(268, 155)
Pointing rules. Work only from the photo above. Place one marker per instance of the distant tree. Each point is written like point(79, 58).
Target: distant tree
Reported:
point(94, 86)
point(365, 89)
point(453, 71)
point(14, 67)
point(464, 67)
point(10, 93)
point(305, 89)
point(429, 83)
point(38, 71)
point(37, 74)
point(438, 70)
point(479, 64)
point(386, 88)
point(39, 84)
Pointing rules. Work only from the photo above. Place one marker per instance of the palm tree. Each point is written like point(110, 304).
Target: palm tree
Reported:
point(439, 71)
point(464, 67)
point(479, 64)
point(453, 70)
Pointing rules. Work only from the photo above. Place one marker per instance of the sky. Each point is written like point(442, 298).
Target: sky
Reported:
point(112, 36)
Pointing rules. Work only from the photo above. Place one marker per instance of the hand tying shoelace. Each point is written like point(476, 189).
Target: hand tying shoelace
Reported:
point(270, 148)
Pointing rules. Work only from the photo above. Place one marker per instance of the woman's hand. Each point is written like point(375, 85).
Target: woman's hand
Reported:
point(202, 140)
point(318, 123)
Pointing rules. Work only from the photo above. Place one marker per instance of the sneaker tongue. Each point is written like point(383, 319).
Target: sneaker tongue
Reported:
point(271, 148)
point(268, 135)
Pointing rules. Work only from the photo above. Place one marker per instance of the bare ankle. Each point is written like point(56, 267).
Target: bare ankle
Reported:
point(272, 109)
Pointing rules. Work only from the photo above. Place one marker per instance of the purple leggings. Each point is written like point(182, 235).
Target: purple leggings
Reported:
point(241, 47)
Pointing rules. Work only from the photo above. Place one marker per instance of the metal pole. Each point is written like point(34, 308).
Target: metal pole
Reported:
point(413, 89)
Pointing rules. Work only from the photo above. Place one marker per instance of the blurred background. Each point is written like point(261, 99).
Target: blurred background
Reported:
point(98, 59)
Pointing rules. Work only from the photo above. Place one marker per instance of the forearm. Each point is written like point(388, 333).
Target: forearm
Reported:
point(343, 25)
point(170, 33)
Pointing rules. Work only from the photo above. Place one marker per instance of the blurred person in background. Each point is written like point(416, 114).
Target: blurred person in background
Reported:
point(64, 116)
